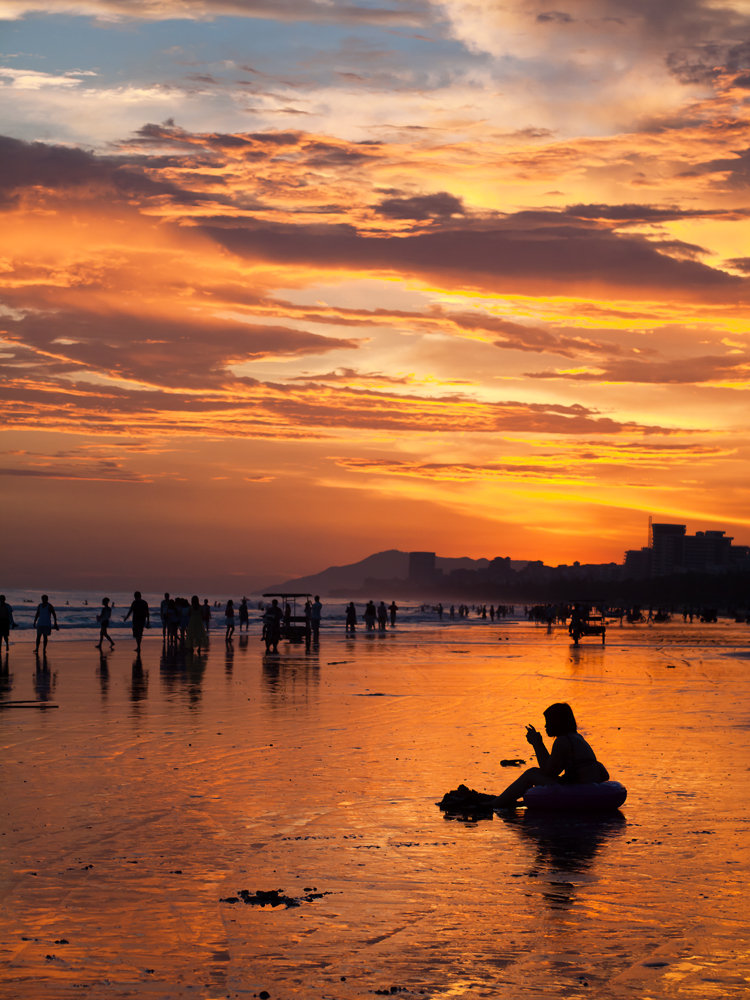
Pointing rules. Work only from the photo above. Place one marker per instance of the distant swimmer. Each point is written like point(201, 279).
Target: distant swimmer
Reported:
point(45, 620)
point(104, 618)
point(571, 760)
point(141, 618)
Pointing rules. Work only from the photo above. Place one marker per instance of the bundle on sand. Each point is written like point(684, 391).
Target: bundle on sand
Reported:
point(467, 800)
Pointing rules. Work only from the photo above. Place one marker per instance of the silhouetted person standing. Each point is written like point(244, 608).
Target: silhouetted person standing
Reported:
point(6, 621)
point(163, 610)
point(272, 626)
point(316, 613)
point(382, 616)
point(140, 616)
point(370, 616)
point(393, 608)
point(45, 620)
point(197, 636)
point(351, 617)
point(244, 617)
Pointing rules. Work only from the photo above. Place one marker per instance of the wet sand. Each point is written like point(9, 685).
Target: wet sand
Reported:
point(159, 791)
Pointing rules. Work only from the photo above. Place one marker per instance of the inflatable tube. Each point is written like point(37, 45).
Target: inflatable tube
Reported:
point(593, 797)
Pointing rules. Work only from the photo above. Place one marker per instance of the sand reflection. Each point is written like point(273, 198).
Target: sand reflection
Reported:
point(566, 848)
point(163, 786)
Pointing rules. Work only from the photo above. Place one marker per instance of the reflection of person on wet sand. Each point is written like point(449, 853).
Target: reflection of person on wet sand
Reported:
point(571, 760)
point(564, 850)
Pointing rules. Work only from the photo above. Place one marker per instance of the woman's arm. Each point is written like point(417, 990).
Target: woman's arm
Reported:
point(558, 759)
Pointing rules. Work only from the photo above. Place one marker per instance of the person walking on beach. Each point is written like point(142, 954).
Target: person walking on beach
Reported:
point(103, 618)
point(229, 619)
point(45, 620)
point(244, 616)
point(196, 633)
point(6, 621)
point(206, 614)
point(141, 618)
point(571, 757)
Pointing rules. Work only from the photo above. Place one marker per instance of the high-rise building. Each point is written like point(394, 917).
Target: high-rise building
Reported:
point(422, 567)
point(672, 550)
point(667, 548)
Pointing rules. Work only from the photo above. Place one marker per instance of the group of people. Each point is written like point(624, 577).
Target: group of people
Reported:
point(45, 620)
point(372, 616)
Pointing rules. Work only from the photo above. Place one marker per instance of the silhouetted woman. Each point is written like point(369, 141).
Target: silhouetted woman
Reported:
point(571, 760)
point(351, 617)
point(229, 618)
point(196, 631)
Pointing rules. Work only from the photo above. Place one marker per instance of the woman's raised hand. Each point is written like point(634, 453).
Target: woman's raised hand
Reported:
point(533, 736)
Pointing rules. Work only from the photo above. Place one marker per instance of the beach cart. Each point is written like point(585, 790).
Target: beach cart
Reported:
point(295, 625)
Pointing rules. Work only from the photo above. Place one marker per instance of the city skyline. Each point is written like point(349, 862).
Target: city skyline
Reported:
point(279, 282)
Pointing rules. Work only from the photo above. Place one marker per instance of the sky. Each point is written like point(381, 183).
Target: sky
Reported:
point(284, 283)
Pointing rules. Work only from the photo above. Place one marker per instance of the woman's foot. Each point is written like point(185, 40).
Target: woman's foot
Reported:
point(505, 802)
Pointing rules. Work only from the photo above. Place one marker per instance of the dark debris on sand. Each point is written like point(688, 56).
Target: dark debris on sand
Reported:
point(464, 801)
point(272, 897)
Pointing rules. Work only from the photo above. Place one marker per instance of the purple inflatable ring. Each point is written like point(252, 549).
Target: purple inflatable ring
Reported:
point(591, 797)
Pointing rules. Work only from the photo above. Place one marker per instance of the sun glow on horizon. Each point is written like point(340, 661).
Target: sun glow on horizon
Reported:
point(339, 298)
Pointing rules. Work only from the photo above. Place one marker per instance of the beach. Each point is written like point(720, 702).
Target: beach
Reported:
point(146, 811)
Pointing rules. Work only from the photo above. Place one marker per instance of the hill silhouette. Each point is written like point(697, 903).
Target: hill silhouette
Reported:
point(389, 566)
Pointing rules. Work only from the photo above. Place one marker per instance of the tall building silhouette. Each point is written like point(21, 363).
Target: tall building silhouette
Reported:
point(422, 567)
point(672, 550)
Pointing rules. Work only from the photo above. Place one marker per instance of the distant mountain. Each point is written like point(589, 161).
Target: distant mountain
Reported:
point(388, 566)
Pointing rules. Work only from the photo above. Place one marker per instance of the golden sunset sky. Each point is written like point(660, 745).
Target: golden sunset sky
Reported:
point(287, 282)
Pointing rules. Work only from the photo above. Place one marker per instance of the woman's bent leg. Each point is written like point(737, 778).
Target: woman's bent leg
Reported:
point(516, 790)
